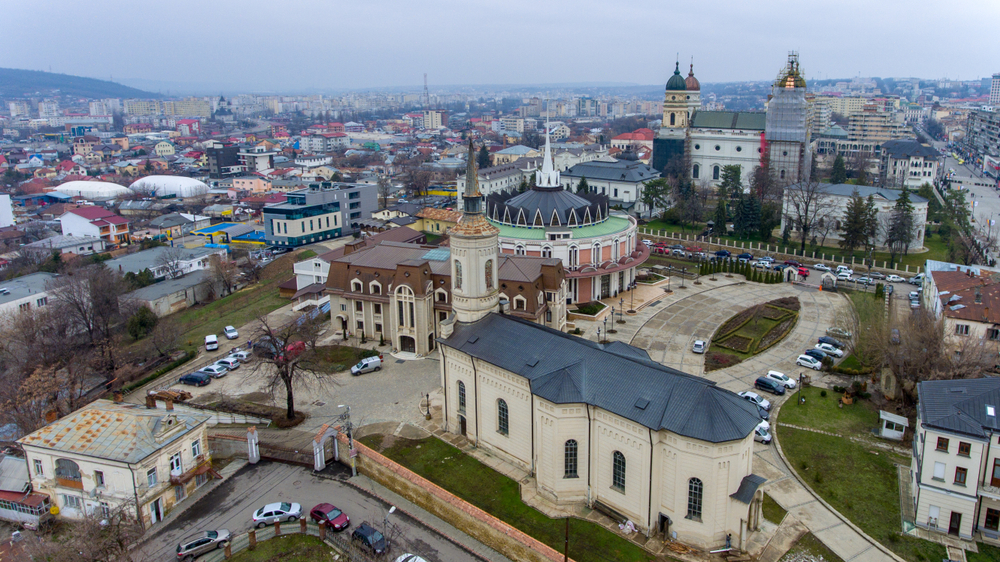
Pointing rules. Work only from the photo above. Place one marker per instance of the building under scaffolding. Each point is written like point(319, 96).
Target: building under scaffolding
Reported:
point(786, 132)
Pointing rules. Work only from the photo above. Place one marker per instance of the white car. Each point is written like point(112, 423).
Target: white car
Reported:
point(844, 268)
point(231, 333)
point(829, 349)
point(781, 378)
point(811, 362)
point(768, 259)
point(215, 371)
point(894, 279)
point(242, 356)
point(211, 342)
point(275, 512)
point(699, 346)
point(821, 267)
point(648, 243)
point(914, 295)
point(844, 276)
point(755, 398)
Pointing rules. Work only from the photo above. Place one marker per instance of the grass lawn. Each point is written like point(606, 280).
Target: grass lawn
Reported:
point(305, 254)
point(772, 511)
point(810, 546)
point(500, 496)
point(858, 482)
point(851, 362)
point(336, 358)
point(824, 414)
point(590, 308)
point(289, 548)
point(987, 553)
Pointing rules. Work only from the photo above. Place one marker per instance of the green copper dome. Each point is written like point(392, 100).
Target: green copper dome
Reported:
point(676, 81)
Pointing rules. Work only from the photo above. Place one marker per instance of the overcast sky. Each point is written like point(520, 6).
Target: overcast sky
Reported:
point(332, 44)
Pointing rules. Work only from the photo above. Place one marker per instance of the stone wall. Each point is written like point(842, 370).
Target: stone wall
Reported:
point(485, 528)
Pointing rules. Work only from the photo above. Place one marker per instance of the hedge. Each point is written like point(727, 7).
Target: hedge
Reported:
point(188, 355)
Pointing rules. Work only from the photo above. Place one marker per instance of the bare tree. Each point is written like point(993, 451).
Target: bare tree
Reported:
point(224, 273)
point(101, 536)
point(807, 205)
point(169, 261)
point(384, 190)
point(165, 335)
point(282, 362)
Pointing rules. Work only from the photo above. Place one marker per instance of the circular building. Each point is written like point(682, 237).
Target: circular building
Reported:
point(169, 186)
point(92, 189)
point(599, 248)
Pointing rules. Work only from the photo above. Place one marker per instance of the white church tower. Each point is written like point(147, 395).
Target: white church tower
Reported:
point(474, 254)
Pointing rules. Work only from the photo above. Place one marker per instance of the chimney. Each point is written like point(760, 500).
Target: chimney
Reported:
point(150, 402)
point(51, 416)
point(169, 404)
point(119, 397)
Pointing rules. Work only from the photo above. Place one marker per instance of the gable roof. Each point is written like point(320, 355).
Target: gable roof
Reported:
point(960, 405)
point(619, 378)
point(92, 212)
point(908, 149)
point(630, 171)
point(752, 120)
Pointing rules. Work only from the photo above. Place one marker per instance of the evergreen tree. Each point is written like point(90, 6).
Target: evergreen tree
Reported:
point(583, 187)
point(862, 178)
point(483, 158)
point(731, 182)
point(839, 172)
point(871, 222)
point(523, 186)
point(854, 227)
point(901, 226)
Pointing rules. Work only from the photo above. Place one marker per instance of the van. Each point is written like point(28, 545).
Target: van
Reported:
point(917, 279)
point(367, 365)
point(211, 342)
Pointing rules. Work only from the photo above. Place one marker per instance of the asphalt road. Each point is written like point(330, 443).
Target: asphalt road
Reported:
point(231, 505)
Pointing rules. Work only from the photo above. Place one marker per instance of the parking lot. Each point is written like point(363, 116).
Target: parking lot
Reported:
point(232, 504)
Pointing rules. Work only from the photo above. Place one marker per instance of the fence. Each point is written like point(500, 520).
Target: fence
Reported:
point(771, 250)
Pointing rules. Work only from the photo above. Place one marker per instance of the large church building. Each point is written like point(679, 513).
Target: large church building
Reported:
point(596, 424)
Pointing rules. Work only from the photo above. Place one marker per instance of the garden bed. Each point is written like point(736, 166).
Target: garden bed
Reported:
point(751, 331)
point(590, 308)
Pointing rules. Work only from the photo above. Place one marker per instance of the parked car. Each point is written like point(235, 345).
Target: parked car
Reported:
point(676, 252)
point(780, 267)
point(755, 398)
point(676, 246)
point(815, 353)
point(844, 276)
point(914, 304)
point(370, 537)
point(764, 414)
point(829, 349)
point(889, 289)
point(206, 541)
point(914, 295)
point(211, 342)
point(241, 355)
point(328, 514)
point(230, 332)
point(195, 379)
point(214, 371)
point(762, 264)
point(231, 363)
point(834, 342)
point(699, 346)
point(821, 267)
point(894, 279)
point(745, 256)
point(877, 275)
point(864, 280)
point(648, 243)
point(838, 332)
point(917, 279)
point(792, 262)
point(367, 365)
point(782, 378)
point(266, 347)
point(767, 259)
point(275, 512)
point(769, 385)
point(410, 558)
point(842, 267)
point(810, 362)
point(761, 435)
point(803, 272)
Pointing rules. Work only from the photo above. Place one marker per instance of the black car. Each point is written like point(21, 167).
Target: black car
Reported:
point(769, 385)
point(815, 353)
point(764, 414)
point(370, 537)
point(723, 253)
point(195, 379)
point(834, 342)
point(745, 256)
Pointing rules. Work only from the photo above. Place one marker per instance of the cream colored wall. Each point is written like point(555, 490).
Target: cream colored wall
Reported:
point(945, 493)
point(613, 433)
point(496, 384)
point(300, 227)
point(555, 424)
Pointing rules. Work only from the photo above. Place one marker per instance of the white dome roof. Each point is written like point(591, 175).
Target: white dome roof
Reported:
point(178, 186)
point(90, 189)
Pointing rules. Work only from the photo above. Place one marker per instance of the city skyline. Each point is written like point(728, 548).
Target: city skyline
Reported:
point(392, 44)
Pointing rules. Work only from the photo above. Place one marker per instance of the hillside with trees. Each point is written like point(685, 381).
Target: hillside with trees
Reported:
point(16, 83)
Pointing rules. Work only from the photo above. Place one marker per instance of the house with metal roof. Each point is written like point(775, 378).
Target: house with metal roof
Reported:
point(909, 163)
point(109, 453)
point(955, 470)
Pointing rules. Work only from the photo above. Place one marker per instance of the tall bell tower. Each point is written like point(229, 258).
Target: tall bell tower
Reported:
point(475, 253)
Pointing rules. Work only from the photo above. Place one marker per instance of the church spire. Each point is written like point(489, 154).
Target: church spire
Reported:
point(471, 173)
point(548, 176)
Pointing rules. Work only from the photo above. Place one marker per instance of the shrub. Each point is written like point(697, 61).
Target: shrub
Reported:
point(789, 303)
point(141, 323)
point(822, 394)
point(736, 322)
point(839, 389)
point(188, 355)
point(590, 308)
point(775, 334)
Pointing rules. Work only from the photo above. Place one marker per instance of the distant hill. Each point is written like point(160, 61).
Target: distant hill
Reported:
point(17, 83)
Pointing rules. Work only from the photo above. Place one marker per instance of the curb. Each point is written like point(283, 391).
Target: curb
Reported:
point(781, 454)
point(421, 522)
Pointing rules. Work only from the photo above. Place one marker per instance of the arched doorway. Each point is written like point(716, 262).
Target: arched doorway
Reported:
point(461, 425)
point(343, 322)
point(430, 342)
point(407, 344)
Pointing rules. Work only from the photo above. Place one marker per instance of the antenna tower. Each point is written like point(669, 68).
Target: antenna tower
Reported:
point(427, 95)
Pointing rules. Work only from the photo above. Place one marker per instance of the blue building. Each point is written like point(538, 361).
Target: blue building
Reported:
point(321, 211)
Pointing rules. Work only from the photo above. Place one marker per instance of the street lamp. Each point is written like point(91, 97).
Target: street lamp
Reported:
point(606, 332)
point(612, 330)
point(683, 273)
point(598, 334)
point(385, 524)
point(631, 302)
point(346, 417)
point(621, 310)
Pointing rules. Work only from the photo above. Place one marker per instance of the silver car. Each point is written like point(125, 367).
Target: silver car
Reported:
point(196, 545)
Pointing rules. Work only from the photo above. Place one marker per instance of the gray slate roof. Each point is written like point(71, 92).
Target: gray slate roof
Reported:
point(631, 171)
point(753, 120)
point(616, 377)
point(847, 189)
point(908, 149)
point(960, 405)
point(748, 487)
point(148, 259)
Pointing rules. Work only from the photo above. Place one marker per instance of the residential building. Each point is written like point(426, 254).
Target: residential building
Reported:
point(434, 119)
point(983, 132)
point(95, 222)
point(967, 299)
point(634, 140)
point(176, 225)
point(501, 177)
point(909, 163)
point(166, 262)
point(164, 148)
point(257, 159)
point(108, 454)
point(18, 503)
point(48, 109)
point(142, 107)
point(321, 143)
point(994, 91)
point(190, 107)
point(6, 211)
point(223, 161)
point(316, 270)
point(189, 127)
point(23, 294)
point(75, 245)
point(954, 470)
point(834, 199)
point(321, 211)
point(19, 109)
point(510, 154)
point(251, 184)
point(436, 221)
point(621, 181)
point(173, 295)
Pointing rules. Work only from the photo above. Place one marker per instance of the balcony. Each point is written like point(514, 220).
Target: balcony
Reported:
point(69, 482)
point(202, 466)
point(992, 492)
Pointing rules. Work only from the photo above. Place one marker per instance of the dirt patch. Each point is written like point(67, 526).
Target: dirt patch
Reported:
point(737, 343)
point(247, 408)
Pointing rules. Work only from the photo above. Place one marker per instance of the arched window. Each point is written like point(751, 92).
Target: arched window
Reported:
point(519, 251)
point(489, 275)
point(503, 420)
point(671, 119)
point(569, 464)
point(715, 172)
point(546, 252)
point(461, 397)
point(695, 490)
point(782, 174)
point(695, 171)
point(574, 256)
point(458, 274)
point(618, 471)
point(67, 469)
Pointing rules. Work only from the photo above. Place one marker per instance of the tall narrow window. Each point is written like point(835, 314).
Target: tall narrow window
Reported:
point(695, 170)
point(569, 464)
point(502, 418)
point(673, 119)
point(695, 490)
point(618, 471)
point(489, 275)
point(413, 322)
point(461, 396)
point(458, 274)
point(715, 172)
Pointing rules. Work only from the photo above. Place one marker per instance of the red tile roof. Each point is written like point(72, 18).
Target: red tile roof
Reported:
point(92, 212)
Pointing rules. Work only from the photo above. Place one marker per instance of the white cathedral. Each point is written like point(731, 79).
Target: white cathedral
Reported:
point(600, 425)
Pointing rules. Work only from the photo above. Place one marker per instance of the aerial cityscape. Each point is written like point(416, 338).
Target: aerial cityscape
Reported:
point(389, 292)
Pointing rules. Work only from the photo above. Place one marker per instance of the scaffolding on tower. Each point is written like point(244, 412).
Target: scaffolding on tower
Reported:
point(786, 131)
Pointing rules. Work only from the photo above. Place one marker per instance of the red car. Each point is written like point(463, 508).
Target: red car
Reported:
point(803, 271)
point(792, 262)
point(694, 249)
point(328, 514)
